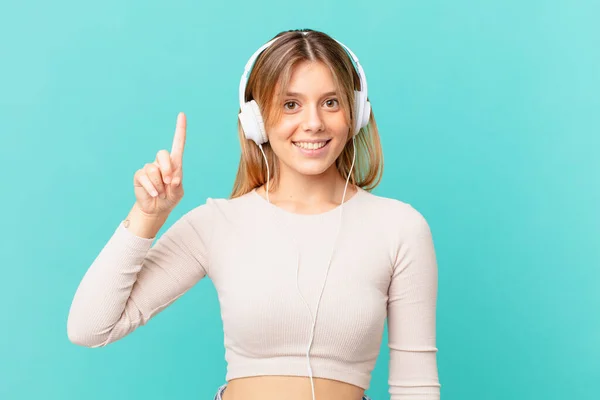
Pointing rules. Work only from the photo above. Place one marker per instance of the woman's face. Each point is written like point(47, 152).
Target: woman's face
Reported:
point(312, 131)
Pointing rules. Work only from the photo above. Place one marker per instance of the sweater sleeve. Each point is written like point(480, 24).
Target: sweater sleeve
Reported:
point(131, 281)
point(412, 300)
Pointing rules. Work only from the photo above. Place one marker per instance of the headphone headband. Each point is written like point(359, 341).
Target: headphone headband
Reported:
point(247, 68)
point(250, 64)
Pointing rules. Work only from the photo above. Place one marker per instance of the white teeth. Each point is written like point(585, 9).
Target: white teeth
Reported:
point(310, 146)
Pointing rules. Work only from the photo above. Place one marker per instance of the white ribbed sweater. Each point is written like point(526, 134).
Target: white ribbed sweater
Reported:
point(384, 265)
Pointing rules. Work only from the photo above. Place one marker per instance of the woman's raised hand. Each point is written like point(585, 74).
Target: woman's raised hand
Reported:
point(158, 185)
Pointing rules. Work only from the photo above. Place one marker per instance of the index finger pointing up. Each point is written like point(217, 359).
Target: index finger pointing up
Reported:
point(179, 139)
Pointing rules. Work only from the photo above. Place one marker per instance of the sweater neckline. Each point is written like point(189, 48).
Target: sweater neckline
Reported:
point(360, 191)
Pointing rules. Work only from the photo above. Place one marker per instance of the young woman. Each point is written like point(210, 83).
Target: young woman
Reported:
point(306, 261)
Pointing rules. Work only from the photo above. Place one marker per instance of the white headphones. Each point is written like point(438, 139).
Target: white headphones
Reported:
point(254, 129)
point(252, 121)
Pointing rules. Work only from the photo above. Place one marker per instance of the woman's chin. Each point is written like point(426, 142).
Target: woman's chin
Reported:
point(312, 168)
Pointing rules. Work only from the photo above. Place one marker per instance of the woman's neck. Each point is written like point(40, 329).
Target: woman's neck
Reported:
point(307, 194)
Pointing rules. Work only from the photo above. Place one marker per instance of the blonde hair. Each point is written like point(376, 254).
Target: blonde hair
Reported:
point(273, 69)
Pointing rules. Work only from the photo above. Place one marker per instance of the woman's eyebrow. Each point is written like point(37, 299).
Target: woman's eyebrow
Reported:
point(296, 94)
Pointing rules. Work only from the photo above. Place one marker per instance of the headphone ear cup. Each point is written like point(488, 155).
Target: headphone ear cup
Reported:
point(366, 113)
point(252, 122)
point(359, 109)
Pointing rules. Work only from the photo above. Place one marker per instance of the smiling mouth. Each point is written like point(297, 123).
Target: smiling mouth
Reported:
point(312, 145)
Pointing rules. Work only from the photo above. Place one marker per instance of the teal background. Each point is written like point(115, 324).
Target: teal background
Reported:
point(488, 113)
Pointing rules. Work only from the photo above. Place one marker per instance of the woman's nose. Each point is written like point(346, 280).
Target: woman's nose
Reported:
point(312, 120)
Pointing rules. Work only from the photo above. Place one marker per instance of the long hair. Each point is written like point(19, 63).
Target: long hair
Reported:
point(273, 69)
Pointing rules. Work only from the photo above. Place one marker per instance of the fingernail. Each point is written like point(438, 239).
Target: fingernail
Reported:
point(167, 179)
point(176, 181)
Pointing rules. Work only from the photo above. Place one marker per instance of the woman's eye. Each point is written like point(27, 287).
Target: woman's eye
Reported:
point(289, 102)
point(331, 100)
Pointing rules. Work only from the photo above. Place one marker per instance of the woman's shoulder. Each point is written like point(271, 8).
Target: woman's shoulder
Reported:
point(221, 206)
point(388, 204)
point(392, 210)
